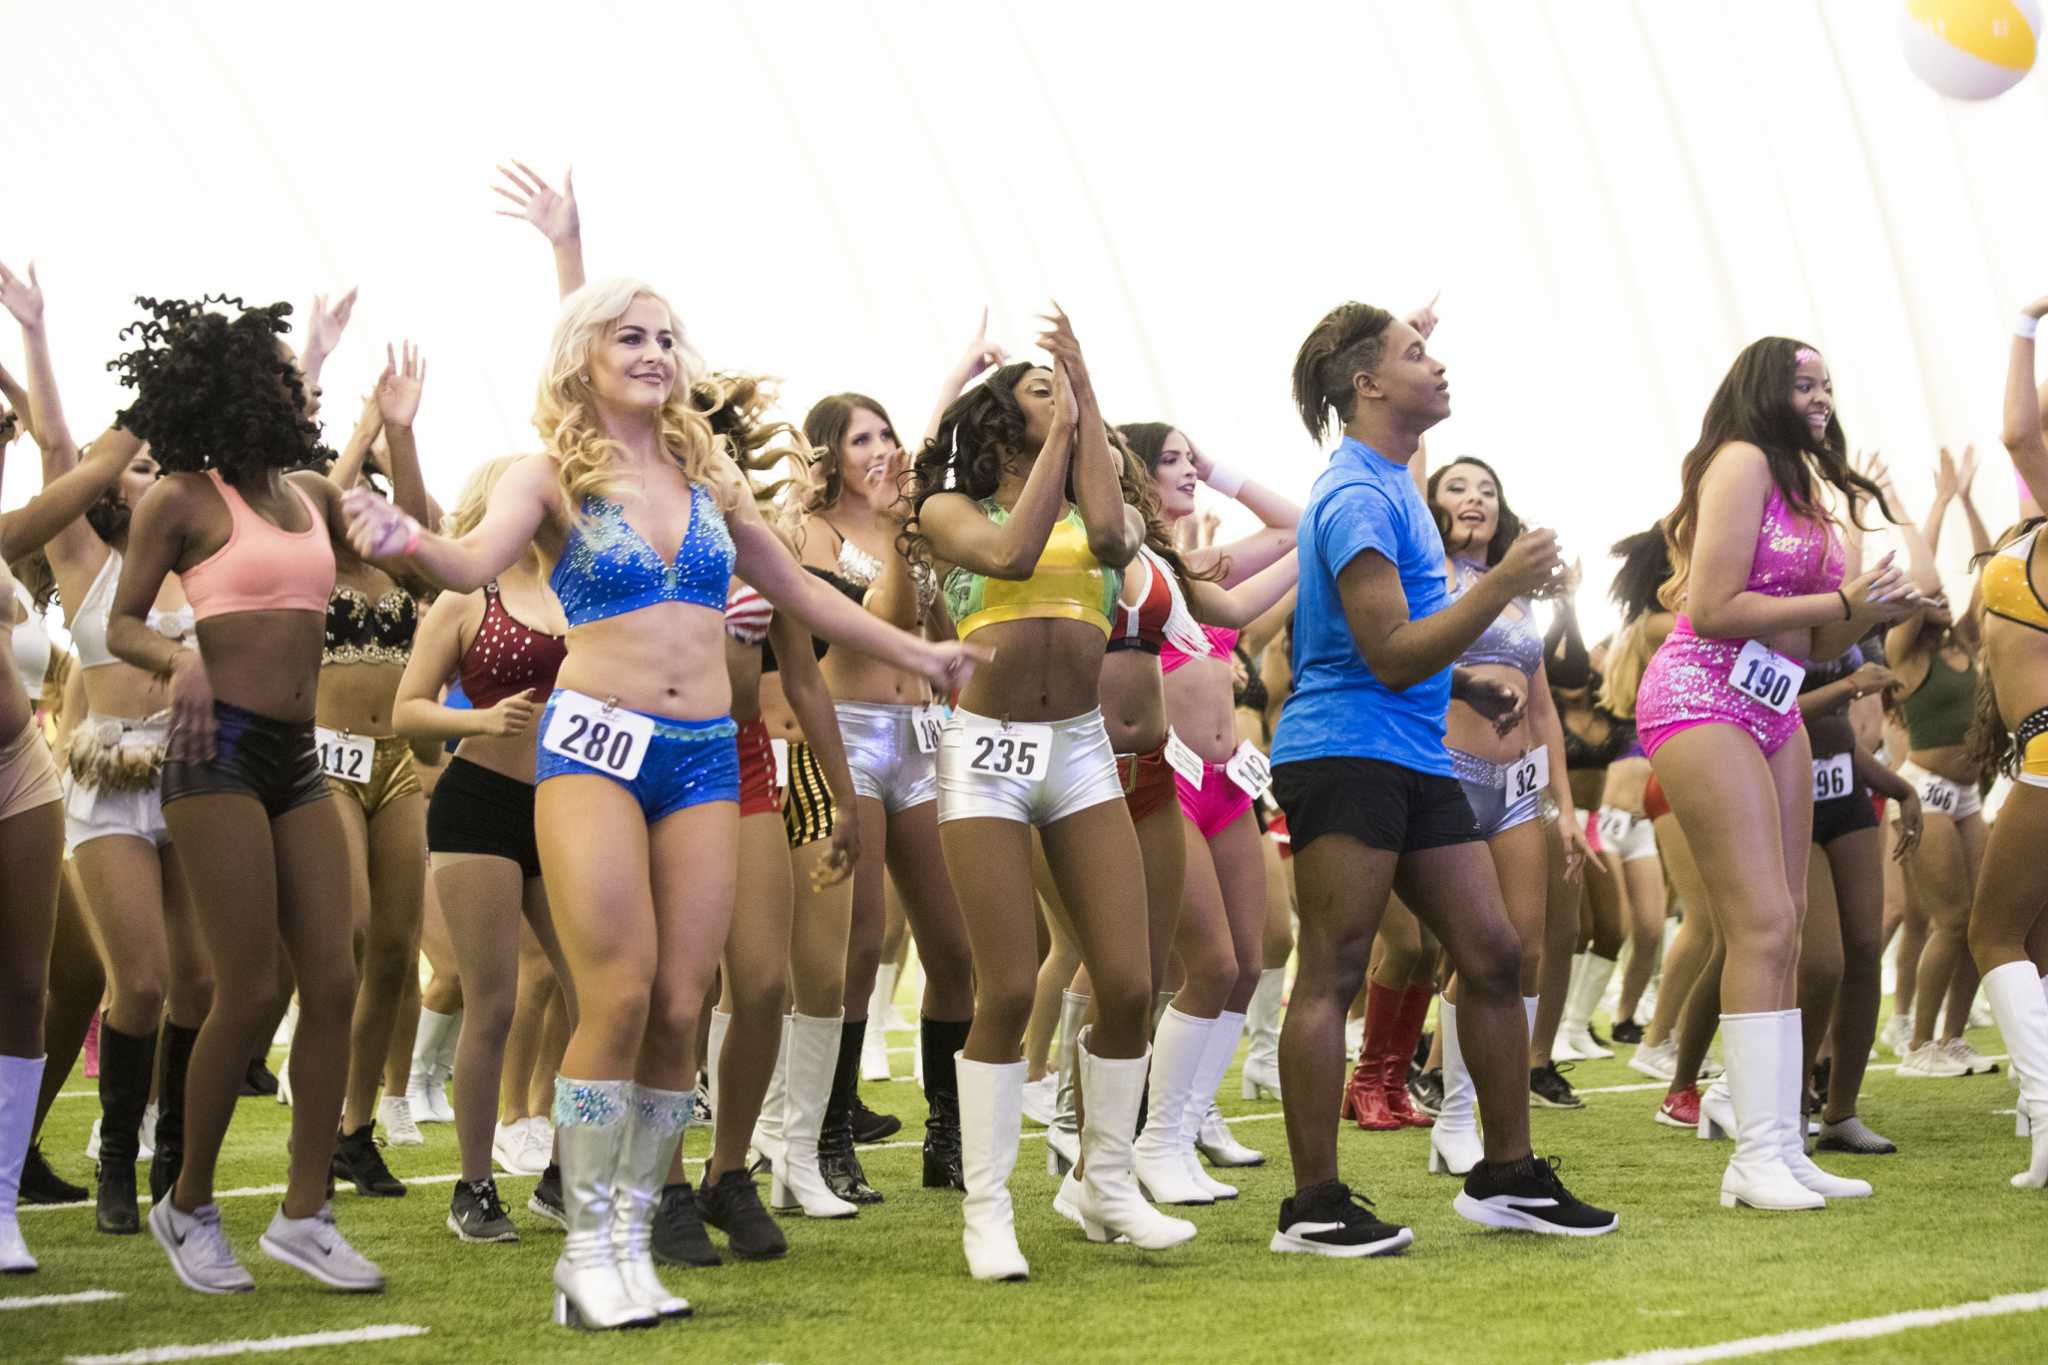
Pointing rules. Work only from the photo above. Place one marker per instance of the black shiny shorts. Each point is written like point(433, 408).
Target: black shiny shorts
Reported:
point(275, 761)
point(1382, 805)
point(474, 810)
point(1842, 815)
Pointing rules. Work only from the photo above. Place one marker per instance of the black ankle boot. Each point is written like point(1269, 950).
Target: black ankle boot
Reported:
point(836, 1159)
point(176, 1058)
point(125, 1064)
point(941, 1039)
point(40, 1183)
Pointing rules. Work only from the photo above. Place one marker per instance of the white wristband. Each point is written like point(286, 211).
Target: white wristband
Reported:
point(1225, 480)
point(2026, 326)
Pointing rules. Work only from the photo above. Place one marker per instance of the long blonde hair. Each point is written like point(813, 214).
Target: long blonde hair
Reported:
point(565, 411)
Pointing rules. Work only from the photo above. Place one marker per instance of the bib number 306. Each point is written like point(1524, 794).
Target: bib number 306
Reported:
point(1009, 750)
point(598, 735)
point(348, 757)
point(1767, 677)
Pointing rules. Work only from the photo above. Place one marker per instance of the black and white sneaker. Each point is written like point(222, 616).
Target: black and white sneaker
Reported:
point(733, 1206)
point(1549, 1087)
point(1626, 1031)
point(1426, 1089)
point(476, 1214)
point(1527, 1196)
point(679, 1229)
point(1332, 1219)
point(546, 1200)
point(357, 1159)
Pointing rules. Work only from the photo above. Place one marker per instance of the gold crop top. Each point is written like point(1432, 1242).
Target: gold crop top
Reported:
point(1069, 583)
point(2009, 584)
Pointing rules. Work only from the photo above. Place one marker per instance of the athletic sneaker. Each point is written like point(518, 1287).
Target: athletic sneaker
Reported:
point(1681, 1109)
point(258, 1080)
point(1897, 1035)
point(1039, 1098)
point(1658, 1061)
point(1548, 1085)
point(546, 1200)
point(869, 1126)
point(1527, 1195)
point(700, 1104)
point(317, 1247)
point(1332, 1219)
point(1426, 1089)
point(679, 1229)
point(512, 1147)
point(357, 1160)
point(198, 1249)
point(1932, 1060)
point(40, 1183)
point(476, 1214)
point(1854, 1136)
point(1626, 1031)
point(145, 1137)
point(1974, 1063)
point(394, 1112)
point(733, 1206)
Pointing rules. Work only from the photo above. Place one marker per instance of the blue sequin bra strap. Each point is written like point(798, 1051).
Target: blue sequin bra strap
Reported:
point(608, 568)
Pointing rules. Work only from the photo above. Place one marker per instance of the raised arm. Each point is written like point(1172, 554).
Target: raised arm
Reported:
point(1280, 517)
point(62, 502)
point(347, 471)
point(398, 402)
point(980, 355)
point(44, 412)
point(961, 533)
point(2022, 434)
point(519, 504)
point(554, 214)
point(1253, 606)
point(324, 325)
point(17, 403)
point(1966, 478)
point(1115, 529)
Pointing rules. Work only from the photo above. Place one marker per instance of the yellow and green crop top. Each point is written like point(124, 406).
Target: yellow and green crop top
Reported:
point(2009, 585)
point(1068, 584)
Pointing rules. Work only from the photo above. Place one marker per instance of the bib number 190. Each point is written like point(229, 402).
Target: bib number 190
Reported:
point(1767, 677)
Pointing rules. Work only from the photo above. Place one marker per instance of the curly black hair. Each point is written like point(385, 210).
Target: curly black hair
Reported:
point(214, 391)
point(965, 455)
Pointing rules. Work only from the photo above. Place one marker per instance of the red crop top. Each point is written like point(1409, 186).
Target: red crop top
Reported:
point(508, 656)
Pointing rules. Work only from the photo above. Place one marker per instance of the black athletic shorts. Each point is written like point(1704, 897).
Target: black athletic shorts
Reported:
point(474, 810)
point(1842, 815)
point(1383, 805)
point(275, 761)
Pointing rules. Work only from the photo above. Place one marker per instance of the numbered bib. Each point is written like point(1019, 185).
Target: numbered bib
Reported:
point(1767, 677)
point(1529, 775)
point(781, 750)
point(928, 721)
point(1614, 823)
point(1009, 750)
point(598, 735)
point(1249, 769)
point(348, 757)
point(1185, 761)
point(1833, 778)
point(1939, 796)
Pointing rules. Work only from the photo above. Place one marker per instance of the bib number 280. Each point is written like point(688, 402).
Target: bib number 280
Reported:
point(607, 738)
point(1008, 750)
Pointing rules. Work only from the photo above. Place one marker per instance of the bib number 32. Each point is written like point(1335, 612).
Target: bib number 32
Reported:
point(598, 735)
point(1767, 677)
point(1009, 750)
point(1530, 775)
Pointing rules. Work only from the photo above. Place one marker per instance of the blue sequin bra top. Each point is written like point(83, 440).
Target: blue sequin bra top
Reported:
point(1511, 640)
point(607, 569)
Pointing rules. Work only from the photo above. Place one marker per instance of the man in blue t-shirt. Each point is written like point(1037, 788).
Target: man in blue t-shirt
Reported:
point(1360, 768)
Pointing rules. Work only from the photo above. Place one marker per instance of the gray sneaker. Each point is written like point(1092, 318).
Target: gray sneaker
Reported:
point(317, 1247)
point(198, 1249)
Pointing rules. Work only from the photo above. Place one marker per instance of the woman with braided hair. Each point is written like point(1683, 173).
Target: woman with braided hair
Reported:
point(225, 409)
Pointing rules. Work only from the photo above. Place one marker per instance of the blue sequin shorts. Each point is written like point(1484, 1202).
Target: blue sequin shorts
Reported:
point(688, 763)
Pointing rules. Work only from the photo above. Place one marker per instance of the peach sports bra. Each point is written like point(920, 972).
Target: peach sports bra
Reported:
point(262, 567)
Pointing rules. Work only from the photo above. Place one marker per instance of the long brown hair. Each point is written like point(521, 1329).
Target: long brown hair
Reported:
point(825, 429)
point(1752, 404)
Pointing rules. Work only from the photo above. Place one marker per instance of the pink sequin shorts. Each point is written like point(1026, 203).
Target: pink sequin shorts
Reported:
point(1686, 684)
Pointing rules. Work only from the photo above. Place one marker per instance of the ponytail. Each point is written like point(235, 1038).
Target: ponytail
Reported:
point(1347, 342)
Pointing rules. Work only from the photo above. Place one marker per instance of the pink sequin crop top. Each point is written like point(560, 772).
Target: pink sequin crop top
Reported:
point(1795, 555)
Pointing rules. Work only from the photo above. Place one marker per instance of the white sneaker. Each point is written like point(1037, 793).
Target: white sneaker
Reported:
point(1897, 1035)
point(1354, 1036)
point(146, 1137)
point(198, 1249)
point(1931, 1060)
point(513, 1152)
point(1658, 1061)
point(317, 1247)
point(1973, 1062)
point(422, 1089)
point(540, 1142)
point(394, 1115)
point(284, 1074)
point(1980, 1013)
point(1039, 1098)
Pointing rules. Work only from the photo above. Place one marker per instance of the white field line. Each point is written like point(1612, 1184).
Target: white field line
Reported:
point(211, 1350)
point(58, 1300)
point(254, 1191)
point(1861, 1329)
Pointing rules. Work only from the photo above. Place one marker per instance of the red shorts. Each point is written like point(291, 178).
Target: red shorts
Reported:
point(1148, 782)
point(1654, 804)
point(1276, 830)
point(758, 793)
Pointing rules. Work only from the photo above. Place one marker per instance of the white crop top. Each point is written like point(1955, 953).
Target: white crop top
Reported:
point(31, 645)
point(89, 621)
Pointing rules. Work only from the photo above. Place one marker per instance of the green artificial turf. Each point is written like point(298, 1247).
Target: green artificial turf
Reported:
point(1944, 1228)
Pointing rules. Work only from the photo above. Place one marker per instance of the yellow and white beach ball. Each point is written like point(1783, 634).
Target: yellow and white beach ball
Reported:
point(1970, 49)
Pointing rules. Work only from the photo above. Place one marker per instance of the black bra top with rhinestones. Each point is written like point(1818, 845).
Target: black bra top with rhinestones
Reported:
point(360, 631)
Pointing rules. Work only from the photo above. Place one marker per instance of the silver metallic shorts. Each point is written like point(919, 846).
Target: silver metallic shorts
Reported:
point(881, 749)
point(1036, 774)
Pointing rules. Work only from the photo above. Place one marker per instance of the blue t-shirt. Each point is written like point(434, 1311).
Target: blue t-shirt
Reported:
point(1338, 709)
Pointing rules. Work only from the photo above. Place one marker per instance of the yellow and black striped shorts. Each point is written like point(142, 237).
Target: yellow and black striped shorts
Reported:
point(807, 801)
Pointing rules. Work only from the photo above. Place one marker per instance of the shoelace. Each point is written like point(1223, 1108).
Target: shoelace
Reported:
point(1358, 1207)
point(485, 1192)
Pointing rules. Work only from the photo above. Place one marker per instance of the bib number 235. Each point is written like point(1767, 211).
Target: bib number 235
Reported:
point(1008, 750)
point(598, 735)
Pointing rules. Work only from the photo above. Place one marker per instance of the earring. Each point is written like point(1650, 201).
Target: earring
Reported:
point(585, 376)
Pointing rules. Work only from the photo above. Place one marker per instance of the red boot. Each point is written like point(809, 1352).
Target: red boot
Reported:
point(1365, 1098)
point(1414, 1009)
